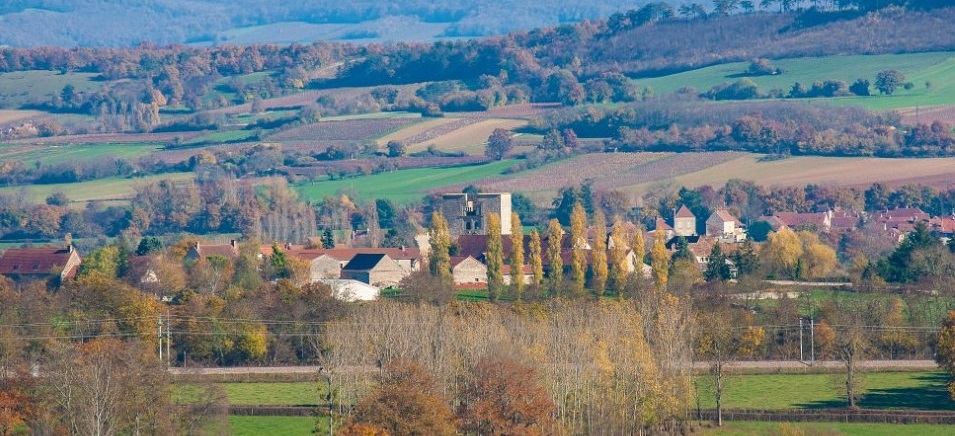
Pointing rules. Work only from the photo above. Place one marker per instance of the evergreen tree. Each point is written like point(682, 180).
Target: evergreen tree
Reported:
point(494, 256)
point(517, 256)
point(745, 258)
point(555, 273)
point(716, 267)
point(578, 265)
point(328, 241)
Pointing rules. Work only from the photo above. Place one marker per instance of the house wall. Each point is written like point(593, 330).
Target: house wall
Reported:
point(469, 271)
point(467, 213)
point(386, 273)
point(325, 267)
point(684, 226)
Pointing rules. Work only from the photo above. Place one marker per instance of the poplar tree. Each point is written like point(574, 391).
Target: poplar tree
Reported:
point(555, 274)
point(517, 256)
point(439, 260)
point(660, 260)
point(618, 260)
point(598, 255)
point(639, 249)
point(578, 263)
point(536, 261)
point(494, 255)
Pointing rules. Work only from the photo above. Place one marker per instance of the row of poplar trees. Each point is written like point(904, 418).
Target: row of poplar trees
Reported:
point(608, 271)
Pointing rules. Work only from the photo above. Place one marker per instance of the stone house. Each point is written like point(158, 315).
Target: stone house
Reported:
point(374, 269)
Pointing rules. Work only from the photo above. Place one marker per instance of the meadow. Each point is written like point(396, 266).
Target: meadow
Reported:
point(402, 186)
point(53, 154)
point(28, 87)
point(827, 428)
point(271, 425)
point(938, 68)
point(111, 188)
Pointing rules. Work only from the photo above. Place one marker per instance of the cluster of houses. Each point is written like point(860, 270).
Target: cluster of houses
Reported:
point(359, 273)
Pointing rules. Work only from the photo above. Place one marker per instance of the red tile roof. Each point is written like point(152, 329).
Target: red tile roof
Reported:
point(684, 212)
point(38, 261)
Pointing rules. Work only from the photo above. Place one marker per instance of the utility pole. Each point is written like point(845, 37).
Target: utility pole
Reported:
point(168, 340)
point(159, 331)
point(812, 340)
point(800, 340)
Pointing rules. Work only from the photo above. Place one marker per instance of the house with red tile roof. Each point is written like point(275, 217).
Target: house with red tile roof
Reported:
point(202, 250)
point(725, 227)
point(40, 263)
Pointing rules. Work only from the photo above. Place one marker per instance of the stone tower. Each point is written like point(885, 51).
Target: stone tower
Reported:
point(467, 213)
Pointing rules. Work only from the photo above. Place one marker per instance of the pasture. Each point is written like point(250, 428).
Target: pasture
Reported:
point(403, 186)
point(27, 87)
point(53, 154)
point(271, 425)
point(111, 188)
point(938, 68)
point(826, 428)
point(881, 390)
point(14, 115)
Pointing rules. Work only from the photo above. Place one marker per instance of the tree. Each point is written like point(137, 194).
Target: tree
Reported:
point(499, 144)
point(860, 87)
point(328, 240)
point(395, 148)
point(618, 273)
point(660, 260)
point(578, 239)
point(639, 248)
point(598, 254)
point(104, 261)
point(504, 397)
point(494, 257)
point(439, 259)
point(781, 253)
point(745, 258)
point(517, 256)
point(555, 271)
point(536, 261)
point(716, 267)
point(888, 80)
point(945, 350)
point(148, 245)
point(714, 344)
point(818, 259)
point(552, 140)
point(406, 401)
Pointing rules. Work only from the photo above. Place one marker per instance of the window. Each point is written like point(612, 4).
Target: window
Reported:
point(16, 267)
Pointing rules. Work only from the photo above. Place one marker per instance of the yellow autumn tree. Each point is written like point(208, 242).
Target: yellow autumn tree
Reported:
point(517, 256)
point(439, 259)
point(781, 253)
point(555, 273)
point(494, 257)
point(618, 260)
point(598, 254)
point(537, 263)
point(578, 262)
point(818, 259)
point(660, 259)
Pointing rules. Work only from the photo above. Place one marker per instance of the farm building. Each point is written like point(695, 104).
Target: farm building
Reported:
point(40, 263)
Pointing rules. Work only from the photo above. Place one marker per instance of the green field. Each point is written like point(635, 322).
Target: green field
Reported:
point(26, 87)
point(937, 68)
point(403, 186)
point(59, 153)
point(271, 425)
point(886, 390)
point(828, 428)
point(272, 394)
point(108, 188)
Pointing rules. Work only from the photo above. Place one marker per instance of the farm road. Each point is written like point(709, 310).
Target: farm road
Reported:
point(743, 366)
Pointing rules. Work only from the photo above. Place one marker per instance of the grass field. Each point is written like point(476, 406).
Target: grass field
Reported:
point(403, 186)
point(25, 87)
point(108, 188)
point(13, 115)
point(55, 154)
point(827, 428)
point(271, 425)
point(272, 394)
point(937, 68)
point(886, 390)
